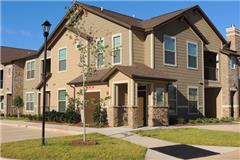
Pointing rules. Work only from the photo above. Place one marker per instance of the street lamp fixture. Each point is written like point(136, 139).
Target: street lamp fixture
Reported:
point(46, 27)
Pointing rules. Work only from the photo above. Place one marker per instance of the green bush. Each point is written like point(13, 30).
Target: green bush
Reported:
point(53, 116)
point(227, 119)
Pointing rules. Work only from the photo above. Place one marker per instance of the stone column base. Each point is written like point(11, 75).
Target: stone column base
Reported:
point(157, 116)
point(132, 117)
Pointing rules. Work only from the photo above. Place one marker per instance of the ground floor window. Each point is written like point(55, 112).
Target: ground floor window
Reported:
point(1, 102)
point(193, 99)
point(172, 98)
point(159, 96)
point(61, 100)
point(29, 101)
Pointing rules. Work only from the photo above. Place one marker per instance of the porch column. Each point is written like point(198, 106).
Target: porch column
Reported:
point(132, 108)
point(151, 105)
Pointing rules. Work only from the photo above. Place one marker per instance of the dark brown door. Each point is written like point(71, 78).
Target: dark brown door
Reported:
point(142, 107)
point(9, 100)
point(90, 107)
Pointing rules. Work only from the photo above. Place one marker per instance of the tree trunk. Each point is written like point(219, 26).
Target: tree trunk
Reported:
point(84, 119)
point(18, 113)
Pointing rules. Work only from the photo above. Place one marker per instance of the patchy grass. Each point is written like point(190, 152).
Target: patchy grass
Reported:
point(195, 136)
point(107, 148)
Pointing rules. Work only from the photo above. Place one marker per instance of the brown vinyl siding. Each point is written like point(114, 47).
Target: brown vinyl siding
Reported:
point(206, 30)
point(186, 77)
point(138, 39)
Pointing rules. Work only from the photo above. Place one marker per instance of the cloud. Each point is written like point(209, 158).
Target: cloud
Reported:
point(10, 31)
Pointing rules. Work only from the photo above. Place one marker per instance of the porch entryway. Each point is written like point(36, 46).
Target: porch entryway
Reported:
point(211, 101)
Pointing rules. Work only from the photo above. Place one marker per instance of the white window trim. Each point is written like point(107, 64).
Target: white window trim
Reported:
point(194, 43)
point(58, 60)
point(116, 35)
point(166, 64)
point(155, 96)
point(193, 87)
point(174, 113)
point(97, 66)
point(29, 61)
point(26, 110)
point(61, 89)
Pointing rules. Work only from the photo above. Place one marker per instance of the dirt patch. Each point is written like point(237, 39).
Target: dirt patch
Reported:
point(81, 142)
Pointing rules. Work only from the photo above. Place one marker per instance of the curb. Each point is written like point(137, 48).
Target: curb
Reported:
point(39, 128)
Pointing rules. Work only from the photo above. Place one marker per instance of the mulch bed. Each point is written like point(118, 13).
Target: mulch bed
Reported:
point(81, 142)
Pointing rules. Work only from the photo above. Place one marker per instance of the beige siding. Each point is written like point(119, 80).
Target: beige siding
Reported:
point(30, 86)
point(103, 28)
point(206, 30)
point(185, 77)
point(138, 39)
point(147, 50)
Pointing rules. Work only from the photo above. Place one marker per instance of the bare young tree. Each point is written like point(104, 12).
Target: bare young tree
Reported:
point(91, 51)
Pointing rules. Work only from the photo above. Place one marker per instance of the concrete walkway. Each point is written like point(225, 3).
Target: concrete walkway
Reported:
point(157, 149)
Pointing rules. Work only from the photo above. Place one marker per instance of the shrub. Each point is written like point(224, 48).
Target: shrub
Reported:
point(227, 119)
point(53, 116)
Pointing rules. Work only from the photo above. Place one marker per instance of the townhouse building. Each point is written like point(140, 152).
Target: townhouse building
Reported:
point(176, 65)
point(12, 76)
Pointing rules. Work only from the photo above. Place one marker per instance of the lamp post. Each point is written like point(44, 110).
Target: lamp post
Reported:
point(46, 27)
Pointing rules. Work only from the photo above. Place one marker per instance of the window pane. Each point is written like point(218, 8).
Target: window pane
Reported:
point(116, 42)
point(159, 96)
point(193, 94)
point(192, 49)
point(192, 61)
point(172, 92)
point(62, 65)
point(61, 95)
point(169, 44)
point(62, 106)
point(169, 57)
point(62, 54)
point(193, 106)
point(116, 56)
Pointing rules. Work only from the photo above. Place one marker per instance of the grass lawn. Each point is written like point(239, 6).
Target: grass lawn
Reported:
point(107, 148)
point(195, 136)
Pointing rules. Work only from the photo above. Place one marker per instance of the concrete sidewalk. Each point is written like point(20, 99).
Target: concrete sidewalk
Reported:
point(157, 149)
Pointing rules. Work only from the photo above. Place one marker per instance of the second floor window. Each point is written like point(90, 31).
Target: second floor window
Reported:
point(169, 50)
point(117, 49)
point(62, 100)
point(192, 55)
point(1, 78)
point(62, 59)
point(30, 70)
point(100, 52)
point(233, 62)
point(30, 101)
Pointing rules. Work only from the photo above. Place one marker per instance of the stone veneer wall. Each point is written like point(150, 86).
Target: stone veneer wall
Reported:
point(157, 116)
point(18, 77)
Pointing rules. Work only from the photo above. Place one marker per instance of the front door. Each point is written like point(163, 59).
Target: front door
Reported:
point(142, 104)
point(90, 107)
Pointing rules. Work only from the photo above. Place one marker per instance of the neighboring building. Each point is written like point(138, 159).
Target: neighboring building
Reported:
point(173, 66)
point(11, 79)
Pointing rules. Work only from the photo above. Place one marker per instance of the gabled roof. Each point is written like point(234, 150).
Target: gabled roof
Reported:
point(10, 54)
point(136, 71)
point(134, 23)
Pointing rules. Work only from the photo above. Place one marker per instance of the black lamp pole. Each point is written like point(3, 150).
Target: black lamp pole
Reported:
point(46, 27)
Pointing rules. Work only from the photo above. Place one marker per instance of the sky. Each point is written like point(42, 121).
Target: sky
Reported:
point(21, 20)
